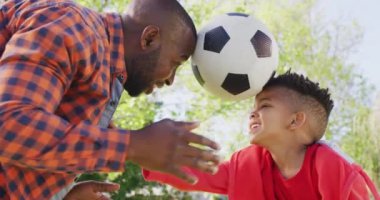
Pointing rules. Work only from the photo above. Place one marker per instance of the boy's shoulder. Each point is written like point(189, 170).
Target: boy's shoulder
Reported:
point(249, 150)
point(250, 154)
point(328, 158)
point(337, 175)
point(326, 151)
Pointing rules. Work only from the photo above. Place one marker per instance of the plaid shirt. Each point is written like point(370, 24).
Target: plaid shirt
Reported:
point(59, 66)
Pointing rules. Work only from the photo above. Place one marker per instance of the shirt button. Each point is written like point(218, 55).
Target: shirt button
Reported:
point(120, 77)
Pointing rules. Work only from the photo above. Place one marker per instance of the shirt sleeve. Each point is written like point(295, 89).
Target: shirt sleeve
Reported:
point(217, 183)
point(40, 61)
point(4, 33)
point(359, 190)
point(362, 186)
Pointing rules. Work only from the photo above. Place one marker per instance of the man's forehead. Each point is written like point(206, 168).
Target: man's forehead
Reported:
point(183, 47)
point(187, 41)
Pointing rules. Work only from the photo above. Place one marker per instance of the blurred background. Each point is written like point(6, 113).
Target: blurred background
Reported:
point(333, 42)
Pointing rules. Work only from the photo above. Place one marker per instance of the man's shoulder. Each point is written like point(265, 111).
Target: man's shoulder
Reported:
point(45, 11)
point(33, 5)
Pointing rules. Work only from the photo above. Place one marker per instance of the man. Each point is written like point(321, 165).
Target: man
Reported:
point(62, 70)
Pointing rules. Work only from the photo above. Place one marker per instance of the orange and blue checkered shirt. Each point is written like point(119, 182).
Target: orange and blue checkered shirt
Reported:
point(61, 71)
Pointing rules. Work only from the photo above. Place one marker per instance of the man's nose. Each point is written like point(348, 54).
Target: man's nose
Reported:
point(170, 80)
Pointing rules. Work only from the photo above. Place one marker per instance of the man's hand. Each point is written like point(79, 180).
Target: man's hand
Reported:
point(165, 146)
point(91, 190)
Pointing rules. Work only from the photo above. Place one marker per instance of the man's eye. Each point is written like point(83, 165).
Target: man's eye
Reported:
point(177, 64)
point(265, 106)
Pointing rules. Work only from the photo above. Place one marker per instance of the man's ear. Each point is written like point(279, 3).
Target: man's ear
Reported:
point(150, 38)
point(298, 119)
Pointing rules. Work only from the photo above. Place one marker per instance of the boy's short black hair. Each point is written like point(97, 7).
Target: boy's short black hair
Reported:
point(314, 97)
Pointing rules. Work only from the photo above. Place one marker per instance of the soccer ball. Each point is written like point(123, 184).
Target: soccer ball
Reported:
point(235, 56)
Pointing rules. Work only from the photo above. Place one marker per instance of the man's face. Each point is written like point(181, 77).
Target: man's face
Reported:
point(270, 116)
point(157, 68)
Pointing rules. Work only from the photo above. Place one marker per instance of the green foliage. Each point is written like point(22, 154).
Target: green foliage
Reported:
point(363, 144)
point(134, 113)
point(105, 5)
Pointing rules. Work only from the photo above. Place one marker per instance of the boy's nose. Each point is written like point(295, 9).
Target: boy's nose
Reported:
point(253, 114)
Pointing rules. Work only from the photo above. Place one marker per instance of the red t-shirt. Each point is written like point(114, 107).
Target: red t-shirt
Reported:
point(299, 186)
point(252, 174)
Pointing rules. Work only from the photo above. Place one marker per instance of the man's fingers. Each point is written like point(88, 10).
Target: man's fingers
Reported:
point(197, 163)
point(101, 196)
point(199, 139)
point(182, 175)
point(202, 155)
point(104, 187)
point(187, 125)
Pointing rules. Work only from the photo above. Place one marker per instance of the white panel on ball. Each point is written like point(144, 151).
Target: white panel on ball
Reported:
point(226, 56)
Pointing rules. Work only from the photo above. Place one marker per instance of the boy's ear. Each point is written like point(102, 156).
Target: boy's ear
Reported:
point(150, 38)
point(297, 120)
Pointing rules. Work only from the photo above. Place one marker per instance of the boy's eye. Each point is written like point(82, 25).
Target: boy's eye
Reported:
point(265, 106)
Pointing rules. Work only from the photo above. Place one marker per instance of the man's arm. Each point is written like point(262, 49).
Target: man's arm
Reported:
point(37, 67)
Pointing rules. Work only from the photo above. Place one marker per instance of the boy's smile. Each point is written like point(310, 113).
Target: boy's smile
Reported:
point(254, 127)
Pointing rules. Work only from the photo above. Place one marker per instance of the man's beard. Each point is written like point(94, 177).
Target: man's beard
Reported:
point(141, 72)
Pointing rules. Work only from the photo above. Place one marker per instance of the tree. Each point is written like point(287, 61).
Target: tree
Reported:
point(363, 141)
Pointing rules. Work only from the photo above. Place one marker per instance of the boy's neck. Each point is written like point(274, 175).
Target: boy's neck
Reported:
point(288, 158)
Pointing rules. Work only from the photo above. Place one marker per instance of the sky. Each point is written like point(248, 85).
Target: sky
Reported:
point(367, 14)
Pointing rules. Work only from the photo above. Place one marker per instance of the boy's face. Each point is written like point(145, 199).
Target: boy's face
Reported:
point(271, 115)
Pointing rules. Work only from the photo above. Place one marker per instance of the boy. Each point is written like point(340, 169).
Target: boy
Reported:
point(285, 160)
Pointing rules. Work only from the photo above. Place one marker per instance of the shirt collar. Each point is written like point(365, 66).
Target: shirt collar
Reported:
point(114, 29)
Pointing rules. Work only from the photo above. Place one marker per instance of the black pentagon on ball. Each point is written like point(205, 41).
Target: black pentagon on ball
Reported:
point(197, 74)
point(215, 39)
point(238, 14)
point(236, 83)
point(262, 44)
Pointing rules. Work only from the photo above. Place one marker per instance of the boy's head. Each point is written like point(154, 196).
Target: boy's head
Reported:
point(290, 103)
